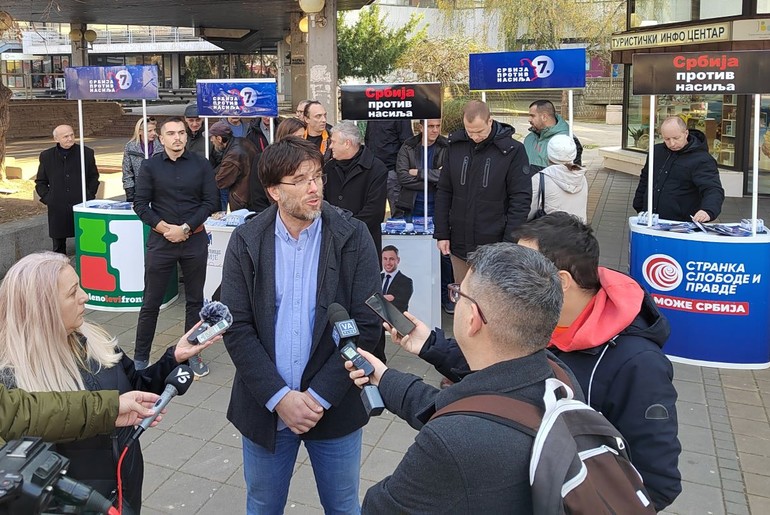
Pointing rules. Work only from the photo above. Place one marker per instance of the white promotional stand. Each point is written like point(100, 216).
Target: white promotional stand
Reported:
point(219, 238)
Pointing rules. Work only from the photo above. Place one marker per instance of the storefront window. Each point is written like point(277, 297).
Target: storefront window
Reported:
point(764, 150)
point(657, 12)
point(763, 6)
point(713, 115)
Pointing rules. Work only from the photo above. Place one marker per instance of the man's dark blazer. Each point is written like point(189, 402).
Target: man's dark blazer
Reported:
point(401, 288)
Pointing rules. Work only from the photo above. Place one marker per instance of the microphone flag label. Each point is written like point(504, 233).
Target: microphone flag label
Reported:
point(182, 376)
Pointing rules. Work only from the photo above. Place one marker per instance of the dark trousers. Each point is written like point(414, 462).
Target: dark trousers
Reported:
point(60, 245)
point(160, 260)
point(447, 277)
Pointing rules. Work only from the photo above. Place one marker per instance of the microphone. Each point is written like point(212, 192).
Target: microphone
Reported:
point(177, 383)
point(344, 334)
point(216, 319)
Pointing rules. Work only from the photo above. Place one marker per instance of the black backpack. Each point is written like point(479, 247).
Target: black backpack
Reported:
point(579, 462)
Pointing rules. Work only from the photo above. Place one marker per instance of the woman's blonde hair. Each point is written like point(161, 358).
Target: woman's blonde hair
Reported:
point(139, 127)
point(34, 345)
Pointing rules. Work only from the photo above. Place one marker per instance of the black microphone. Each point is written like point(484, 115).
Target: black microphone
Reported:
point(177, 383)
point(344, 334)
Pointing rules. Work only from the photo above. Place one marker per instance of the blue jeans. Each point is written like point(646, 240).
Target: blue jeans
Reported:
point(336, 467)
point(224, 195)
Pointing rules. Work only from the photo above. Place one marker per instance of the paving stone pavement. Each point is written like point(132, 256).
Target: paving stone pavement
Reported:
point(193, 459)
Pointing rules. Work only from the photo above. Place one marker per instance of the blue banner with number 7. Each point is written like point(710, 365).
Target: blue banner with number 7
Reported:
point(237, 97)
point(535, 69)
point(111, 82)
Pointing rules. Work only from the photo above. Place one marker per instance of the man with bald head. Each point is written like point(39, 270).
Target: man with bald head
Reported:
point(59, 184)
point(685, 180)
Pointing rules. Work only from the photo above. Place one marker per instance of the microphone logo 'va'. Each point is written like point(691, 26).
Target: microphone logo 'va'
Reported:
point(347, 328)
point(182, 376)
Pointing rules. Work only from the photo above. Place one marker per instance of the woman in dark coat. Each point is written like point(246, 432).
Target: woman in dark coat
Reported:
point(45, 345)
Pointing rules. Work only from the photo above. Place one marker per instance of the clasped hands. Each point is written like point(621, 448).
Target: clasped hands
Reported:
point(173, 233)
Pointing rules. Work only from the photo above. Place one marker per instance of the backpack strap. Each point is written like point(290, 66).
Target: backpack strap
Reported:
point(541, 193)
point(521, 412)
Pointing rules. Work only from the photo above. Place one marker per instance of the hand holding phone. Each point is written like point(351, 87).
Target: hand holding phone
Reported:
point(390, 314)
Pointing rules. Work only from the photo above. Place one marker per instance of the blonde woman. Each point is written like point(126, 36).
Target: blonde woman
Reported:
point(133, 154)
point(47, 346)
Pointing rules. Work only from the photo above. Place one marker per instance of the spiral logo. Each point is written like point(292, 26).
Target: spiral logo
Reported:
point(662, 272)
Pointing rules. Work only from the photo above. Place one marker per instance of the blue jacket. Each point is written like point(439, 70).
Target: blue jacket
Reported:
point(348, 273)
point(629, 380)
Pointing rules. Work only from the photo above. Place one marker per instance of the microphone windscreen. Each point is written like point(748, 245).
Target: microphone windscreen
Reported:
point(213, 312)
point(337, 313)
point(180, 378)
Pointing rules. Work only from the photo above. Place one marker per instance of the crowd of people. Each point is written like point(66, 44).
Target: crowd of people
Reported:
point(520, 275)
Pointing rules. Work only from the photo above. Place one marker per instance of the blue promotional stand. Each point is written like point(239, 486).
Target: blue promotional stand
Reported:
point(712, 289)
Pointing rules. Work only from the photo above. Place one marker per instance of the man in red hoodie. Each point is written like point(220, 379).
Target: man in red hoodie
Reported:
point(610, 334)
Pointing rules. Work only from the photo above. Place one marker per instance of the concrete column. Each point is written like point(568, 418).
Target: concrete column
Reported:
point(298, 68)
point(175, 71)
point(322, 60)
point(282, 72)
point(79, 53)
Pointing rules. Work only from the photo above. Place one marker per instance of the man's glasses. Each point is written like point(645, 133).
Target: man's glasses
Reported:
point(454, 295)
point(322, 177)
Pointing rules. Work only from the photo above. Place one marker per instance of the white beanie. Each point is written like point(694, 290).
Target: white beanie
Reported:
point(562, 149)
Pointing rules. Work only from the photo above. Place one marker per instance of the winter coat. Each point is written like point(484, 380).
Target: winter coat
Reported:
point(385, 137)
point(484, 192)
point(54, 416)
point(359, 185)
point(536, 143)
point(133, 155)
point(256, 136)
point(196, 143)
point(94, 460)
point(410, 156)
point(614, 349)
point(460, 463)
point(684, 181)
point(234, 170)
point(59, 186)
point(347, 274)
point(565, 190)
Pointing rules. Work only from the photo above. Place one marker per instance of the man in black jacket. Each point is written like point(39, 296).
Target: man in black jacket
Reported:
point(507, 307)
point(611, 335)
point(59, 184)
point(384, 138)
point(484, 193)
point(356, 179)
point(685, 183)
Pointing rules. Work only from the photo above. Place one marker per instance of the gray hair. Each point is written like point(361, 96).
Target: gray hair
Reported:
point(348, 131)
point(520, 293)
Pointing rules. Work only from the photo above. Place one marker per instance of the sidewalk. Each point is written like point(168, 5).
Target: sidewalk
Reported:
point(193, 459)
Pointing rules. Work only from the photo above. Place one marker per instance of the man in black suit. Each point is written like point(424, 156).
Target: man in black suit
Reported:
point(396, 287)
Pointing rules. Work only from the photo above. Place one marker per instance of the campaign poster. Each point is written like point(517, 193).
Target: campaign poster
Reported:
point(536, 69)
point(412, 101)
point(111, 82)
point(247, 98)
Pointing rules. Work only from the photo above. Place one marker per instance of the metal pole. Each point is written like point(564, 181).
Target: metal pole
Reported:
point(144, 124)
point(206, 135)
point(425, 173)
point(272, 129)
point(82, 152)
point(569, 104)
point(484, 96)
point(652, 154)
point(755, 159)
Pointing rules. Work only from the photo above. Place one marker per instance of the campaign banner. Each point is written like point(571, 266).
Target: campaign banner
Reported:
point(741, 73)
point(111, 82)
point(248, 98)
point(412, 101)
point(535, 69)
point(714, 294)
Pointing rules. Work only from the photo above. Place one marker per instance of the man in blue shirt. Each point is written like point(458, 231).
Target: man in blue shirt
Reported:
point(282, 270)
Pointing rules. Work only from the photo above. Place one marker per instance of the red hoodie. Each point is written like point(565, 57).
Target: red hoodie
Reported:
point(612, 309)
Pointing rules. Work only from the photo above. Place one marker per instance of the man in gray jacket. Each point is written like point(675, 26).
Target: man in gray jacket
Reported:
point(282, 271)
point(507, 306)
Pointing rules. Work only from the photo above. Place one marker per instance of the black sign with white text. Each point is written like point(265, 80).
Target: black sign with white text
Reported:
point(415, 101)
point(742, 73)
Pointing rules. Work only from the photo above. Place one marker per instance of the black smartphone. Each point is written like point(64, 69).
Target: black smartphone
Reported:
point(390, 314)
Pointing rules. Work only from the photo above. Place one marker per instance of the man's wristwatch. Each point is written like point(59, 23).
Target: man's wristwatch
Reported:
point(186, 229)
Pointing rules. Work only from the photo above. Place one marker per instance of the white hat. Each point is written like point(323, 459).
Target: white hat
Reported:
point(562, 149)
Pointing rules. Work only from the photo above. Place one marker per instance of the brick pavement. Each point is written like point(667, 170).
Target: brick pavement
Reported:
point(193, 460)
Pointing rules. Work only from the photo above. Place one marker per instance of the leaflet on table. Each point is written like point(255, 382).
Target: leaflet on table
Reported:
point(689, 227)
point(401, 226)
point(232, 219)
point(109, 204)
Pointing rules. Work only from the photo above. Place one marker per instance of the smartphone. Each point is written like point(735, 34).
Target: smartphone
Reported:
point(390, 314)
point(204, 332)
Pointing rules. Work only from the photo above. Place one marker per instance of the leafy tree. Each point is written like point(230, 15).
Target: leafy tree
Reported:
point(9, 28)
point(369, 48)
point(441, 60)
